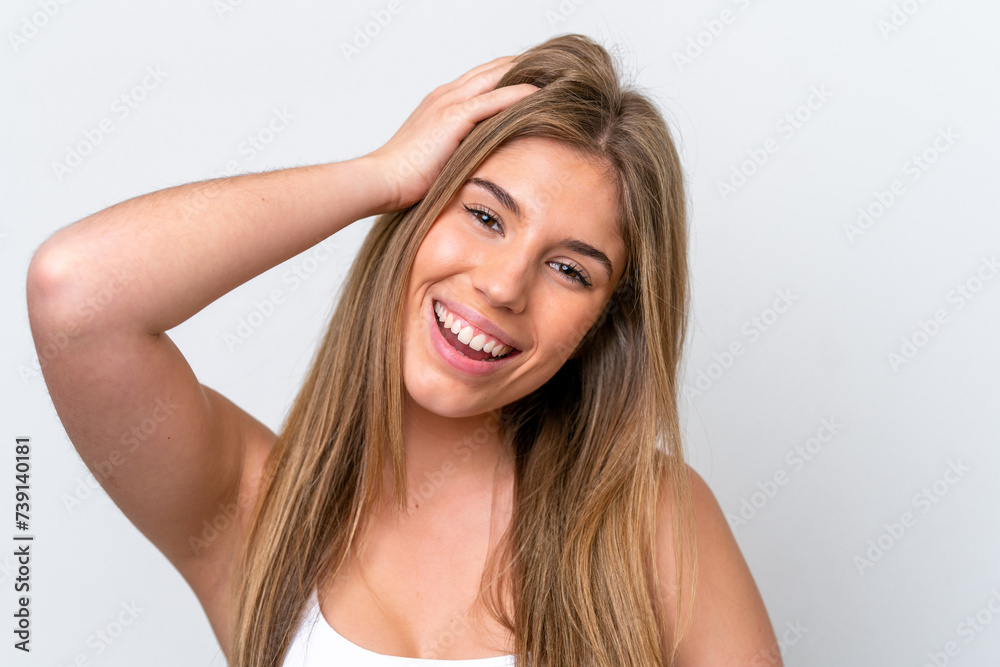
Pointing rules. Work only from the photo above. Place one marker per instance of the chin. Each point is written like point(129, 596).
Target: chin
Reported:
point(441, 401)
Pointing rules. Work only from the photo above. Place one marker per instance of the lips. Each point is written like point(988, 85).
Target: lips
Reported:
point(482, 354)
point(456, 354)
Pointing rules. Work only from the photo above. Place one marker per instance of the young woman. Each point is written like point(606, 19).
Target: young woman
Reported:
point(484, 463)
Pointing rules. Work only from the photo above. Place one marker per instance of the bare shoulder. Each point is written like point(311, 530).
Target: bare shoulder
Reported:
point(729, 623)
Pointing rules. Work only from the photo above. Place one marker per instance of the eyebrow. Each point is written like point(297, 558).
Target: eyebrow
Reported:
point(511, 204)
point(500, 193)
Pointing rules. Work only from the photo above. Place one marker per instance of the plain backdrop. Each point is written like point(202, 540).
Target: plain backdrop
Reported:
point(841, 377)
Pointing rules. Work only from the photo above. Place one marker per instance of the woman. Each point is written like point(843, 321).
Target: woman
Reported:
point(472, 469)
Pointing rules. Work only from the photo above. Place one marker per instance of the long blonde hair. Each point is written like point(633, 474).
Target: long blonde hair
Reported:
point(593, 446)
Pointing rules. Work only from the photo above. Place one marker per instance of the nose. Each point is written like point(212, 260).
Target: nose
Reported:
point(504, 276)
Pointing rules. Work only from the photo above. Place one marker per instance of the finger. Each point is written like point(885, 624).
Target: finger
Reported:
point(492, 102)
point(493, 70)
point(482, 68)
point(448, 89)
point(479, 83)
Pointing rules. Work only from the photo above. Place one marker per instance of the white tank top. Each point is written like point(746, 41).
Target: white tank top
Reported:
point(317, 644)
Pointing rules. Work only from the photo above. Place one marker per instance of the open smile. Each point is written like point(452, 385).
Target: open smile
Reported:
point(469, 349)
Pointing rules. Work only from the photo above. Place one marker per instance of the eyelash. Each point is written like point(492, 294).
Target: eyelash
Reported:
point(477, 212)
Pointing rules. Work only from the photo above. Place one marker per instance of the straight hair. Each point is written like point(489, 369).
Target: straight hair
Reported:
point(597, 449)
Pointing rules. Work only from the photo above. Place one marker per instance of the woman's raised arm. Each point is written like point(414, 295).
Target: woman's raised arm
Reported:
point(178, 458)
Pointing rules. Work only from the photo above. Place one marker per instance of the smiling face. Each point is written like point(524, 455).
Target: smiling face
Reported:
point(521, 262)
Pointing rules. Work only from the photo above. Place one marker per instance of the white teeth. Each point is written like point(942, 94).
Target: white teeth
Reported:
point(465, 333)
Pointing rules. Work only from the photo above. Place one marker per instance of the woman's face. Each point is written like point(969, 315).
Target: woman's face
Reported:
point(524, 258)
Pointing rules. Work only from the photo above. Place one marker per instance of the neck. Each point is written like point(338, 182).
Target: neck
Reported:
point(449, 459)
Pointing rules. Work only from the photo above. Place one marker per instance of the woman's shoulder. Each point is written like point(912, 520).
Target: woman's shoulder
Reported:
point(729, 622)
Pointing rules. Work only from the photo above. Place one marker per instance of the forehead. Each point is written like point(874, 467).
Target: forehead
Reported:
point(546, 171)
point(560, 187)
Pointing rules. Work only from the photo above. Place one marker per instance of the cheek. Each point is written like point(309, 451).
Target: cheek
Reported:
point(442, 250)
point(440, 254)
point(565, 329)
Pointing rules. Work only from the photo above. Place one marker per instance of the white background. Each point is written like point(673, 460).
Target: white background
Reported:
point(888, 88)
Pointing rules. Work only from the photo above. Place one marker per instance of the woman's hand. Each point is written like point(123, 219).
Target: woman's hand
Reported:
point(417, 152)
